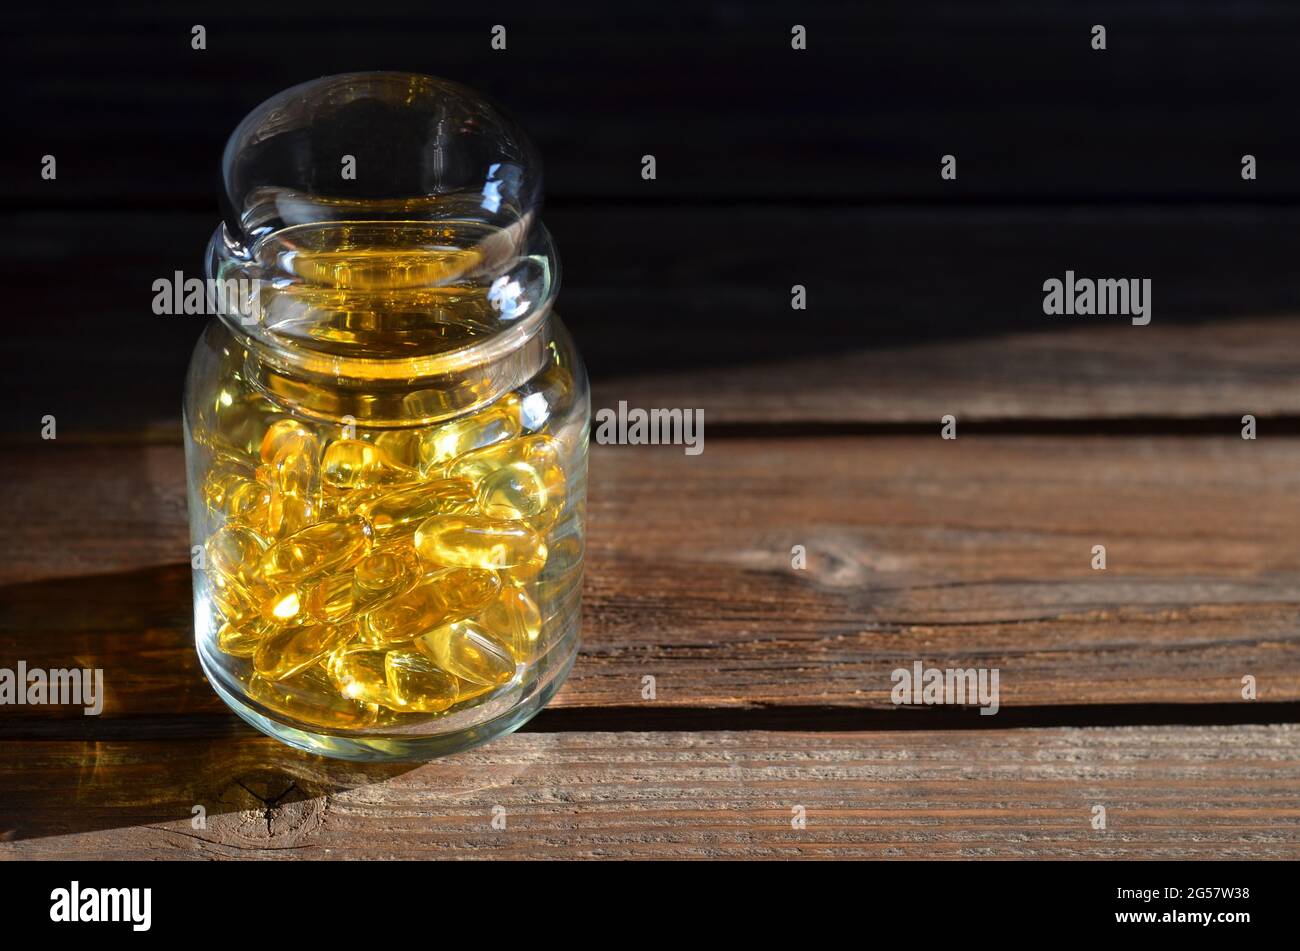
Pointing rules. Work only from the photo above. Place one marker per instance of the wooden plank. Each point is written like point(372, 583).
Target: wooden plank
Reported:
point(974, 552)
point(1168, 792)
point(717, 94)
point(910, 314)
point(1221, 369)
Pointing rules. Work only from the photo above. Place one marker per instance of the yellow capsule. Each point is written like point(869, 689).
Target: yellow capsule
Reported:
point(310, 698)
point(402, 445)
point(445, 595)
point(291, 650)
point(353, 464)
point(236, 604)
point(513, 491)
point(235, 552)
point(514, 619)
point(218, 485)
point(417, 685)
point(466, 650)
point(539, 451)
point(296, 465)
point(399, 513)
point(249, 504)
point(489, 426)
point(316, 551)
point(295, 484)
point(473, 541)
point(282, 607)
point(358, 673)
point(379, 577)
point(276, 436)
point(241, 640)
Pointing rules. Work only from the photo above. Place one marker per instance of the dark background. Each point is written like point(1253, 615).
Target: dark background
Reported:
point(775, 167)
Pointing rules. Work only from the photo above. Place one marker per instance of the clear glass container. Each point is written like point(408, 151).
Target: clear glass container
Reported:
point(386, 427)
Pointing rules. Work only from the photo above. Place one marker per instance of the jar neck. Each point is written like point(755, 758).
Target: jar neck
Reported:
point(382, 385)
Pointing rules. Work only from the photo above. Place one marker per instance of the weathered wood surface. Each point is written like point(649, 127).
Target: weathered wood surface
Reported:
point(1168, 792)
point(1153, 377)
point(973, 552)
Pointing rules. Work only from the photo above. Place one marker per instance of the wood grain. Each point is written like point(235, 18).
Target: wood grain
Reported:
point(1170, 792)
point(973, 552)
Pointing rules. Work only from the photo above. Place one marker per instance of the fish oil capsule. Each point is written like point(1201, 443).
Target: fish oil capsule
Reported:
point(316, 551)
point(235, 552)
point(354, 464)
point(463, 648)
point(496, 423)
point(358, 673)
point(295, 476)
point(400, 513)
point(278, 434)
point(281, 607)
point(235, 603)
point(311, 698)
point(539, 451)
point(514, 491)
point(416, 684)
point(249, 504)
point(377, 578)
point(515, 619)
point(291, 650)
point(402, 445)
point(474, 541)
point(441, 596)
point(240, 640)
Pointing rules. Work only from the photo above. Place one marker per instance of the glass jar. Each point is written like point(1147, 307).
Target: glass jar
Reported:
point(386, 428)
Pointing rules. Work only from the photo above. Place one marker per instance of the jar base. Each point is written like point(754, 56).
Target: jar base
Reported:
point(397, 747)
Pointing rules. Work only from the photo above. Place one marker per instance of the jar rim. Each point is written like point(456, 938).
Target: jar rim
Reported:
point(226, 260)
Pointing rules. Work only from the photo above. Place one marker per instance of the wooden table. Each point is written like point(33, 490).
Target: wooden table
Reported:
point(1120, 687)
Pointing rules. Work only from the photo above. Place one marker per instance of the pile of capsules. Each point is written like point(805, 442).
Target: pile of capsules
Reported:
point(364, 579)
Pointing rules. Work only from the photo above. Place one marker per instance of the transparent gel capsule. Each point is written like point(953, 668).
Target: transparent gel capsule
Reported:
point(249, 504)
point(358, 673)
point(441, 596)
point(514, 619)
point(354, 464)
point(235, 552)
point(281, 607)
point(311, 698)
point(489, 426)
point(399, 513)
point(295, 477)
point(514, 491)
point(276, 436)
point(539, 451)
point(241, 640)
point(417, 684)
point(474, 541)
point(291, 650)
point(463, 648)
point(317, 550)
point(402, 446)
point(377, 578)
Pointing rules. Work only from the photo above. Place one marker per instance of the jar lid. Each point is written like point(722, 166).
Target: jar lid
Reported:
point(384, 215)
